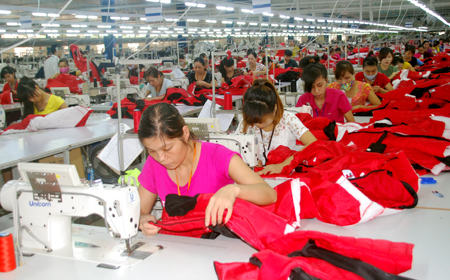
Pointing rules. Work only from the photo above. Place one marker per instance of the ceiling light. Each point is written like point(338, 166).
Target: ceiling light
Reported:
point(171, 19)
point(25, 31)
point(345, 21)
point(165, 1)
point(428, 11)
point(192, 20)
point(283, 25)
point(298, 18)
point(162, 28)
point(92, 17)
point(320, 20)
point(264, 24)
point(337, 21)
point(240, 22)
point(39, 14)
point(310, 19)
point(155, 1)
point(285, 17)
point(104, 26)
point(211, 21)
point(253, 23)
point(12, 23)
point(93, 31)
point(178, 29)
point(71, 35)
point(274, 24)
point(111, 31)
point(190, 4)
point(80, 16)
point(127, 31)
point(201, 5)
point(268, 14)
point(5, 12)
point(230, 9)
point(227, 22)
point(221, 8)
point(115, 18)
point(73, 31)
point(247, 11)
point(53, 15)
point(192, 29)
point(143, 19)
point(51, 25)
point(145, 27)
point(126, 27)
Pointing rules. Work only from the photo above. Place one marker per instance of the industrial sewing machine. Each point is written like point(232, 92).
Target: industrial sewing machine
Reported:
point(49, 195)
point(208, 129)
point(71, 99)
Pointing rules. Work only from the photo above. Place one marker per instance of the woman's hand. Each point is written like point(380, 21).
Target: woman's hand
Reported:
point(148, 229)
point(221, 200)
point(272, 169)
point(376, 88)
point(201, 83)
point(357, 107)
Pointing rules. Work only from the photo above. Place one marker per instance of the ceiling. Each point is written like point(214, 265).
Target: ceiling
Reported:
point(353, 14)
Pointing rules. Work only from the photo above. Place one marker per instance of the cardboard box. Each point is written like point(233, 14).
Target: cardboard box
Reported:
point(75, 159)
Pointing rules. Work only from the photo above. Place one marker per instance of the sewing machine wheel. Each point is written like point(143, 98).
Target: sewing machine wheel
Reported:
point(101, 170)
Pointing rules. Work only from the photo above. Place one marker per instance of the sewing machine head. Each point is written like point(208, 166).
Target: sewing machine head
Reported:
point(50, 194)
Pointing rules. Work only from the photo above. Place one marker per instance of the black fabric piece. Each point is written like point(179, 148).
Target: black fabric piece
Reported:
point(179, 205)
point(445, 160)
point(363, 269)
point(441, 71)
point(288, 76)
point(210, 235)
point(434, 106)
point(173, 97)
point(419, 92)
point(329, 131)
point(140, 105)
point(224, 230)
point(376, 125)
point(299, 274)
point(40, 74)
point(378, 147)
point(125, 113)
point(255, 261)
point(407, 136)
point(370, 112)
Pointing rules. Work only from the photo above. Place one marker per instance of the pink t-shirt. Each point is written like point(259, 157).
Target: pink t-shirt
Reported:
point(211, 173)
point(335, 106)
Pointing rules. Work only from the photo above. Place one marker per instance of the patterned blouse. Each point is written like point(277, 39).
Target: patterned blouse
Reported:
point(362, 92)
point(237, 72)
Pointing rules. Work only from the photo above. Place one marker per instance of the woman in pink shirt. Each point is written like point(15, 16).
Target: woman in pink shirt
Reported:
point(178, 164)
point(325, 102)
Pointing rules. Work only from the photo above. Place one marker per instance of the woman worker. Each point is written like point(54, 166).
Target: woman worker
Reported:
point(199, 75)
point(9, 75)
point(263, 112)
point(325, 102)
point(36, 101)
point(379, 82)
point(254, 67)
point(157, 85)
point(63, 66)
point(228, 71)
point(385, 57)
point(179, 164)
point(357, 92)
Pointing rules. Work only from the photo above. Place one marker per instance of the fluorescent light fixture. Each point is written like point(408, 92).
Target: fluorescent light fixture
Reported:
point(163, 28)
point(79, 26)
point(268, 14)
point(320, 20)
point(73, 31)
point(285, 17)
point(291, 26)
point(237, 29)
point(5, 12)
point(337, 21)
point(53, 15)
point(111, 31)
point(190, 4)
point(192, 20)
point(93, 31)
point(38, 14)
point(221, 8)
point(199, 5)
point(127, 31)
point(345, 21)
point(103, 26)
point(50, 31)
point(178, 29)
point(180, 32)
point(12, 23)
point(211, 21)
point(165, 1)
point(205, 29)
point(25, 31)
point(155, 1)
point(156, 31)
point(227, 22)
point(192, 29)
point(253, 23)
point(230, 9)
point(81, 16)
point(428, 11)
point(143, 19)
point(247, 11)
point(228, 30)
point(145, 27)
point(264, 24)
point(274, 25)
point(240, 23)
point(126, 27)
point(310, 19)
point(298, 18)
point(115, 18)
point(92, 17)
point(50, 25)
point(283, 25)
point(71, 35)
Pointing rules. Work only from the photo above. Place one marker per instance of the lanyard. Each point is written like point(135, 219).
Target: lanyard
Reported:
point(323, 110)
point(270, 142)
point(190, 175)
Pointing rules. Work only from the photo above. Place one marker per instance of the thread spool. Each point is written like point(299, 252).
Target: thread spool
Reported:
point(228, 101)
point(136, 119)
point(95, 82)
point(294, 86)
point(7, 254)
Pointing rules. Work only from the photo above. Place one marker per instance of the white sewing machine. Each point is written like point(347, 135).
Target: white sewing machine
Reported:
point(49, 195)
point(2, 117)
point(208, 129)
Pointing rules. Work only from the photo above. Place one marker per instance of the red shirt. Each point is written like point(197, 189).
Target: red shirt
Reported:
point(335, 106)
point(6, 88)
point(381, 80)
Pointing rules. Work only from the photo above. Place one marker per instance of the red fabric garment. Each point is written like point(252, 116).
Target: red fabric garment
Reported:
point(6, 97)
point(240, 64)
point(81, 63)
point(276, 263)
point(381, 80)
point(51, 83)
point(440, 92)
point(239, 85)
point(361, 50)
point(128, 107)
point(255, 232)
point(70, 81)
point(134, 80)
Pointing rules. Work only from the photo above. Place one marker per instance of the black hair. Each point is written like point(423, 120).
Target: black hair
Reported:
point(260, 101)
point(63, 60)
point(436, 43)
point(342, 67)
point(397, 59)
point(370, 61)
point(202, 55)
point(26, 89)
point(225, 63)
point(153, 72)
point(420, 46)
point(307, 60)
point(338, 50)
point(268, 60)
point(410, 48)
point(311, 73)
point(201, 60)
point(384, 52)
point(53, 48)
point(162, 120)
point(7, 70)
point(370, 53)
point(181, 56)
point(288, 53)
point(252, 53)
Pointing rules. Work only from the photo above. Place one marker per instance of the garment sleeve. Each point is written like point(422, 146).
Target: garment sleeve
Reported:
point(6, 87)
point(343, 105)
point(334, 85)
point(302, 100)
point(221, 157)
point(366, 90)
point(208, 77)
point(384, 80)
point(295, 125)
point(419, 62)
point(57, 102)
point(359, 76)
point(191, 77)
point(149, 88)
point(147, 177)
